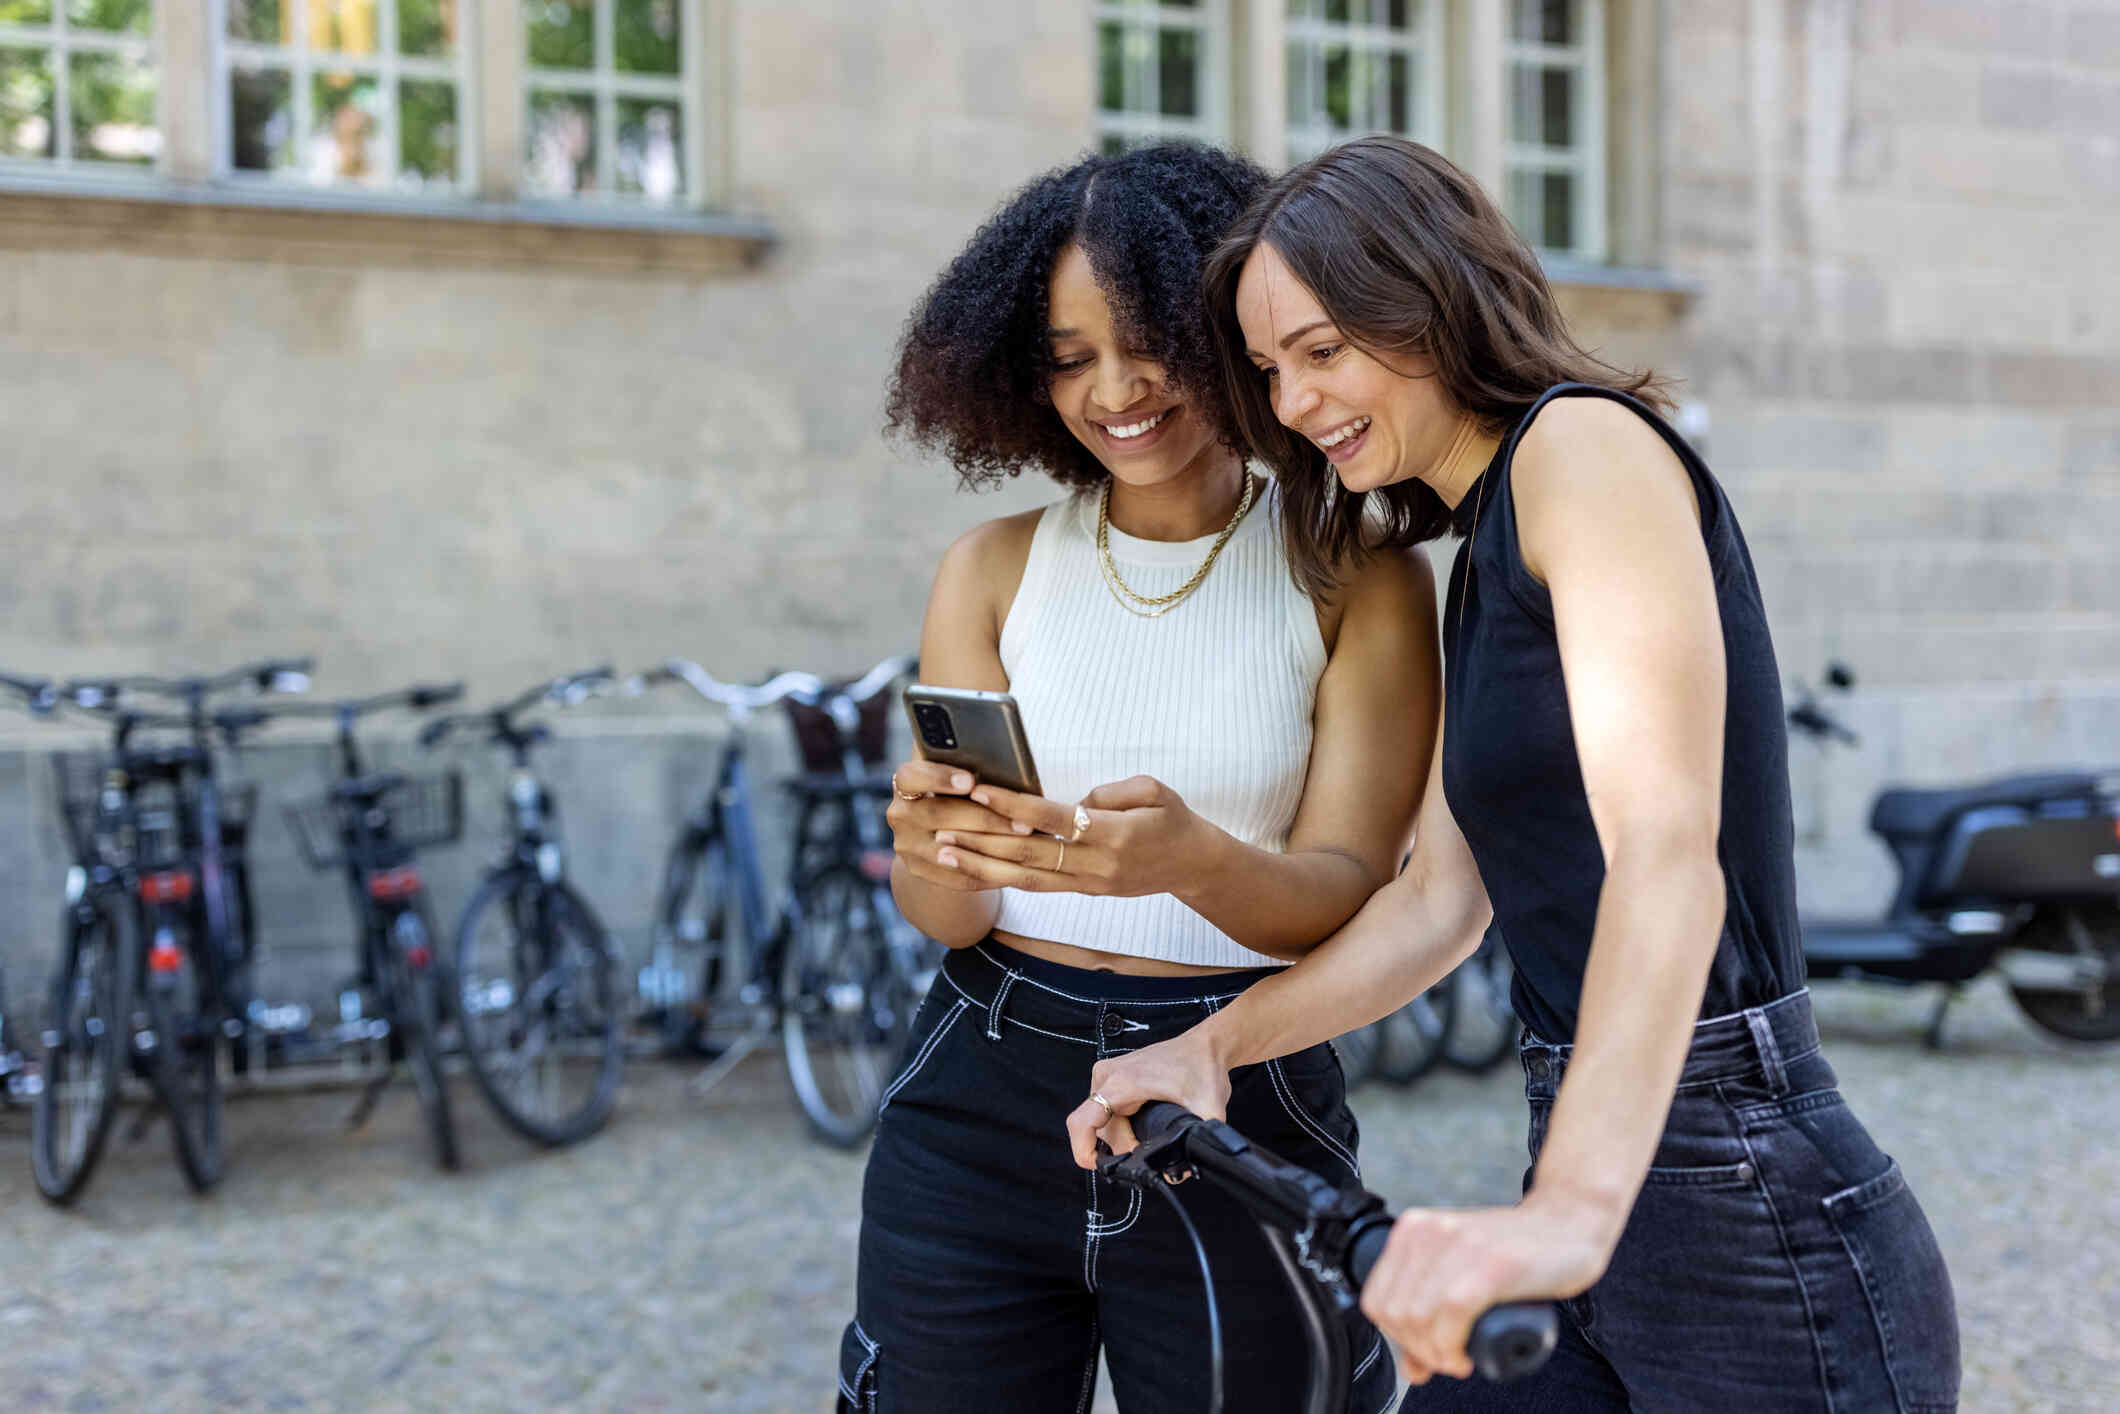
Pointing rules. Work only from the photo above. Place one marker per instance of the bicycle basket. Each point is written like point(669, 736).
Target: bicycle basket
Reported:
point(823, 748)
point(79, 776)
point(419, 812)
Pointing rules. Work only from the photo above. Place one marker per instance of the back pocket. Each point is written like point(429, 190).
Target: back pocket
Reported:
point(1908, 1288)
point(857, 1371)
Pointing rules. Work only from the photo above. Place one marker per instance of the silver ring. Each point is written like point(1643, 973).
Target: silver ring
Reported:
point(1108, 1110)
point(1082, 822)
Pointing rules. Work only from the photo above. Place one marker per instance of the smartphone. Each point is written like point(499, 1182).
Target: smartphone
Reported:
point(979, 731)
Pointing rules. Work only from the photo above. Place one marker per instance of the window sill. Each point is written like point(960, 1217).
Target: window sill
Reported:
point(1612, 297)
point(307, 226)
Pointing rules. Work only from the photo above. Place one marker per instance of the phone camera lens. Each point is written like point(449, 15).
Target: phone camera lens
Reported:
point(935, 728)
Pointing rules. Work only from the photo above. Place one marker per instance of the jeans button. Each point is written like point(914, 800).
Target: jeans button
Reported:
point(1744, 1173)
point(1112, 1024)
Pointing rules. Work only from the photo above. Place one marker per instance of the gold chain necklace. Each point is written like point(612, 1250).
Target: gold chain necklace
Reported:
point(1156, 606)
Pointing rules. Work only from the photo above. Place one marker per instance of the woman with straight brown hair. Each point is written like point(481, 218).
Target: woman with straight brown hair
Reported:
point(1718, 1225)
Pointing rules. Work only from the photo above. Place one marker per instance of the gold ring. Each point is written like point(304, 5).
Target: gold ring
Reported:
point(901, 794)
point(1060, 864)
point(1081, 821)
point(1108, 1110)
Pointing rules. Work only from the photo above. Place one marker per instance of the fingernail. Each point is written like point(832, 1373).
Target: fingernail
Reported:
point(945, 838)
point(947, 860)
point(1022, 829)
point(961, 781)
point(979, 795)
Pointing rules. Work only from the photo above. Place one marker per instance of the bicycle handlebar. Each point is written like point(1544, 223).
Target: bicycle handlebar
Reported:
point(39, 695)
point(266, 675)
point(420, 695)
point(807, 688)
point(499, 721)
point(1341, 1231)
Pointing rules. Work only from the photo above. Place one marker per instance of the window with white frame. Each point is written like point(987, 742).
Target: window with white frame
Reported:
point(78, 84)
point(368, 94)
point(1554, 161)
point(611, 100)
point(1162, 71)
point(1362, 66)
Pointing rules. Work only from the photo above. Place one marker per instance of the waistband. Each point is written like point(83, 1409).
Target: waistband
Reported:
point(1762, 1041)
point(1112, 1011)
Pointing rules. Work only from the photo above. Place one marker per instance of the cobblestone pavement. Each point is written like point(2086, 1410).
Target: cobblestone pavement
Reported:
point(699, 1255)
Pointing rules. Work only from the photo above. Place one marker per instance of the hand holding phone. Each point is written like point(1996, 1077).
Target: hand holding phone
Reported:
point(980, 732)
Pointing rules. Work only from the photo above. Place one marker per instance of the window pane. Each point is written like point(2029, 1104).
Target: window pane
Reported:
point(113, 108)
point(1399, 14)
point(1400, 113)
point(651, 149)
point(1113, 145)
point(562, 33)
point(645, 38)
point(258, 21)
point(1339, 82)
point(25, 12)
point(261, 103)
point(560, 155)
point(1557, 192)
point(342, 145)
point(1111, 67)
point(1542, 105)
point(25, 103)
point(1177, 73)
point(427, 27)
point(1335, 11)
point(343, 26)
point(427, 133)
point(115, 16)
point(1544, 21)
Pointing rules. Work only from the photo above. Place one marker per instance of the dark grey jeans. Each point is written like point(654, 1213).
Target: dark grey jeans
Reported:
point(1775, 1262)
point(992, 1269)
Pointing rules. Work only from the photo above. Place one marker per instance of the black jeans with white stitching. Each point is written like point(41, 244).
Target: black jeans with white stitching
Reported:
point(993, 1270)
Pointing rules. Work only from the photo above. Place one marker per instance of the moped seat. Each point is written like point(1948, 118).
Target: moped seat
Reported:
point(1922, 812)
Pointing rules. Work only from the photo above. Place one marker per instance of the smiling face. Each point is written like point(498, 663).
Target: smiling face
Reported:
point(1114, 399)
point(1375, 423)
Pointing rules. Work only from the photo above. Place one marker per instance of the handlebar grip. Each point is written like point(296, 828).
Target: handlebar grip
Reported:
point(432, 734)
point(1158, 1117)
point(1512, 1340)
point(435, 694)
point(1508, 1341)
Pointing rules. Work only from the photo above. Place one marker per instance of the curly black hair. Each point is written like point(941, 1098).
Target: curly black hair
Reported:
point(974, 365)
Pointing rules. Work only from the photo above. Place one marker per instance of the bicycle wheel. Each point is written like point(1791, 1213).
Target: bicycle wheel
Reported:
point(1357, 1051)
point(844, 1006)
point(183, 1054)
point(413, 1004)
point(537, 1000)
point(1483, 1027)
point(86, 1037)
point(1410, 1040)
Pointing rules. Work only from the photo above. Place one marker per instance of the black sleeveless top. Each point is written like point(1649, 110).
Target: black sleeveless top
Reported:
point(1515, 785)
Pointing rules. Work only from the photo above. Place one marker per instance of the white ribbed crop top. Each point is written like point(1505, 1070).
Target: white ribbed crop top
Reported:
point(1213, 699)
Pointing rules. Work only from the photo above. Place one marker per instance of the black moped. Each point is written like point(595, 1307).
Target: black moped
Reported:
point(2020, 873)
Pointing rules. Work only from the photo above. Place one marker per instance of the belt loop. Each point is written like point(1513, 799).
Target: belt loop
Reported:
point(993, 1010)
point(1769, 1049)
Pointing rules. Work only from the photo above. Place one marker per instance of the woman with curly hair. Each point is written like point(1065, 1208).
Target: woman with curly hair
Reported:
point(1721, 1229)
point(1230, 764)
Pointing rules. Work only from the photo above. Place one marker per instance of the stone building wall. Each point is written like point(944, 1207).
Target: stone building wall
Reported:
point(220, 440)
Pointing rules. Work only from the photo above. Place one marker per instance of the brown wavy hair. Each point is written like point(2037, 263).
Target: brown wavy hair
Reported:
point(1407, 256)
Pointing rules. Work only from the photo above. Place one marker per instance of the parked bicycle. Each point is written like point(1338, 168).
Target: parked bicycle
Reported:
point(153, 968)
point(21, 1077)
point(1326, 1236)
point(369, 827)
point(535, 986)
point(836, 973)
